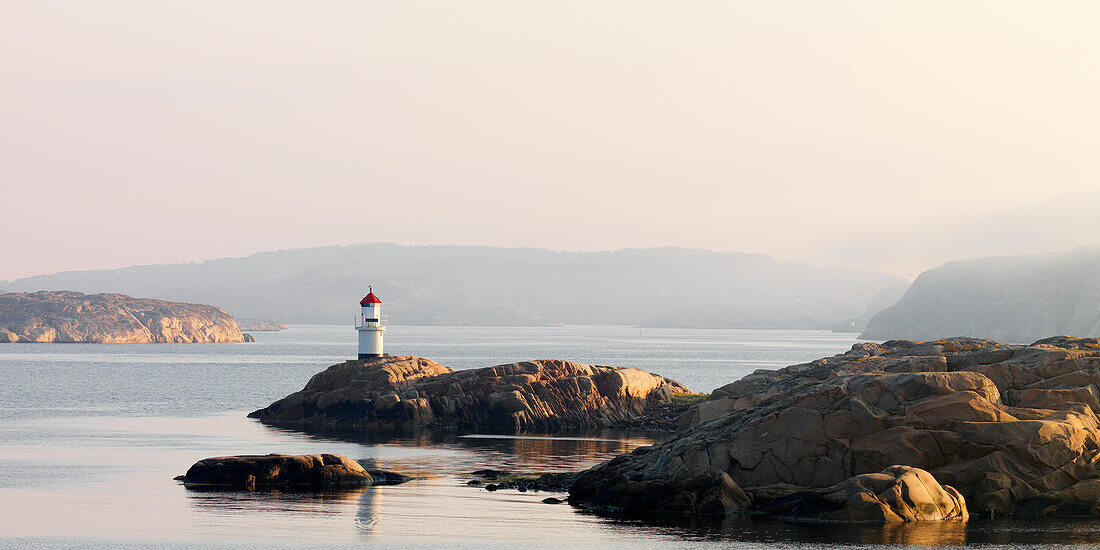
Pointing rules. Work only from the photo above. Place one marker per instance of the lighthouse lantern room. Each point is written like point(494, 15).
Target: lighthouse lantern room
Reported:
point(371, 324)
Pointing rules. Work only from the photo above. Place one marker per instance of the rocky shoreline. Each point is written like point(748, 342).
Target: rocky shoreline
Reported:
point(899, 431)
point(410, 393)
point(73, 317)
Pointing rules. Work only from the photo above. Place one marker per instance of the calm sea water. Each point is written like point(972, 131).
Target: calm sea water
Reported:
point(91, 436)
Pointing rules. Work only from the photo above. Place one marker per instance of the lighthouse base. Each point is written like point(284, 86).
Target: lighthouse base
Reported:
point(372, 355)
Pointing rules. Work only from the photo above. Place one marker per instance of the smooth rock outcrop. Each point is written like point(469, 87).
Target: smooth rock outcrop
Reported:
point(279, 471)
point(401, 393)
point(897, 494)
point(64, 316)
point(1012, 428)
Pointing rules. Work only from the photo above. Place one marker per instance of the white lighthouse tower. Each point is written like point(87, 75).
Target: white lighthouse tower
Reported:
point(371, 324)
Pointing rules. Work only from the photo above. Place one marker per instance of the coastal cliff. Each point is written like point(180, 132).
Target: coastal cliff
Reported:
point(402, 393)
point(1010, 299)
point(65, 316)
point(1006, 429)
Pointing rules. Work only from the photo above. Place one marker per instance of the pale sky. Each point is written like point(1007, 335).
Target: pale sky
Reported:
point(886, 135)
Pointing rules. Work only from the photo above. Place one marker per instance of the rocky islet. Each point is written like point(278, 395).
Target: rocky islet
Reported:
point(286, 472)
point(408, 393)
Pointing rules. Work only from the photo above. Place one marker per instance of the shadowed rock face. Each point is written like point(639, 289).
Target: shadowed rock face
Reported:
point(389, 393)
point(279, 471)
point(63, 316)
point(1013, 428)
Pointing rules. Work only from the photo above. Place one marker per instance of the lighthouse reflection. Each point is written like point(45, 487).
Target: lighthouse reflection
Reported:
point(438, 462)
point(439, 497)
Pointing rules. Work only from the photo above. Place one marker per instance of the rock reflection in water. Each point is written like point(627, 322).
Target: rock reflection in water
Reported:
point(274, 501)
point(325, 515)
point(1008, 533)
point(438, 459)
point(454, 453)
point(921, 533)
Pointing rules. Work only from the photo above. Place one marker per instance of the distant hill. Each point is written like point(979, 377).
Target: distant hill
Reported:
point(1011, 298)
point(473, 285)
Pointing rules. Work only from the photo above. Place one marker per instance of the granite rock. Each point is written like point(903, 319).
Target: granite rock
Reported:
point(402, 393)
point(1012, 428)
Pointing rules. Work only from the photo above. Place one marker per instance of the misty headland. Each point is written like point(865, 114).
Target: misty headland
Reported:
point(476, 285)
point(1016, 299)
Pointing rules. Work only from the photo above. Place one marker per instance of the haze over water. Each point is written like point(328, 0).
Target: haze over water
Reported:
point(91, 436)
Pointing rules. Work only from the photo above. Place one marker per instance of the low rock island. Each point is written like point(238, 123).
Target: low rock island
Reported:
point(64, 316)
point(279, 471)
point(402, 393)
point(899, 431)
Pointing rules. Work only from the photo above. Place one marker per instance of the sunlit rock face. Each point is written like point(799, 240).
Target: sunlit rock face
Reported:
point(1012, 428)
point(896, 494)
point(72, 317)
point(402, 393)
point(279, 471)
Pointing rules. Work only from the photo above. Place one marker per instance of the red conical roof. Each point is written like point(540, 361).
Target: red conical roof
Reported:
point(370, 298)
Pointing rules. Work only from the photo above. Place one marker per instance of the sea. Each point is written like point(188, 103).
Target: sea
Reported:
point(92, 435)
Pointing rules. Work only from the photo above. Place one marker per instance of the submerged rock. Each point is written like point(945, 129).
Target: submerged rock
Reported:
point(556, 482)
point(401, 393)
point(64, 316)
point(279, 471)
point(1013, 428)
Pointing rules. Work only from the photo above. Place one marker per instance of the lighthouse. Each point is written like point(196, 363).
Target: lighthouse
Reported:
point(371, 324)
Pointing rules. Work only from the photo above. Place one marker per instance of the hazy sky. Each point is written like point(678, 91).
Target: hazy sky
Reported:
point(887, 135)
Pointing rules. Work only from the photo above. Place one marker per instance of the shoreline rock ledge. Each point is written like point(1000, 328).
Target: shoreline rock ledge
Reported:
point(63, 316)
point(899, 431)
point(402, 393)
